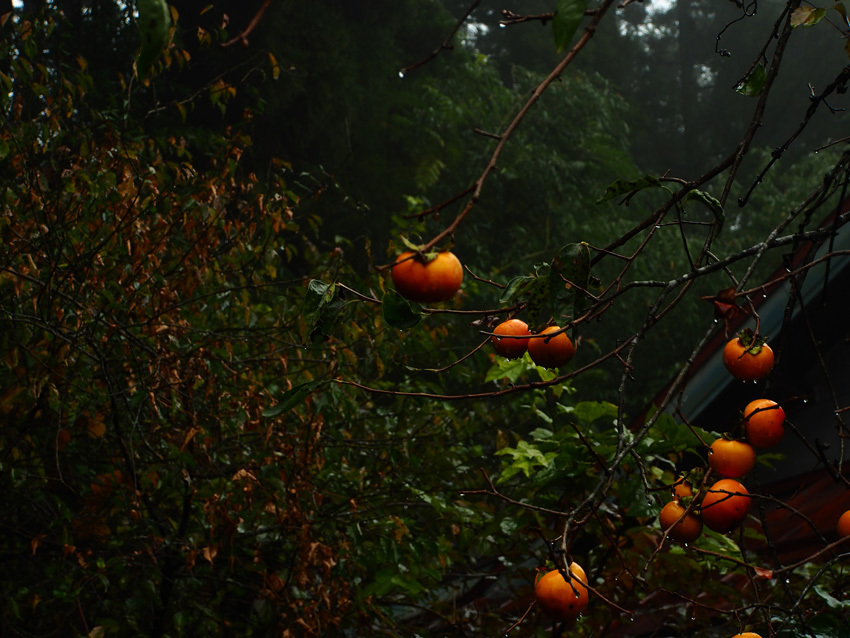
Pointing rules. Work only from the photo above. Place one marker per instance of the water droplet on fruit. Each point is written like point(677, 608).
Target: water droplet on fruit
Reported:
point(401, 75)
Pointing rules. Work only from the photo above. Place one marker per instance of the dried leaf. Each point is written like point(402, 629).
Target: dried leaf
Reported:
point(210, 553)
point(761, 572)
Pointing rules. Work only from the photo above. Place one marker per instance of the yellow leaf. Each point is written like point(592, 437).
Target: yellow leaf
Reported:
point(275, 66)
point(800, 15)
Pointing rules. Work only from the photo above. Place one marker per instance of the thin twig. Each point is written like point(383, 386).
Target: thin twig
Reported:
point(446, 45)
point(541, 88)
point(243, 35)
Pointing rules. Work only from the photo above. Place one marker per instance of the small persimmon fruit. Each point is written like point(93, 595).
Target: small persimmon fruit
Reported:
point(843, 527)
point(436, 280)
point(681, 489)
point(510, 348)
point(685, 531)
point(763, 421)
point(725, 505)
point(560, 599)
point(749, 359)
point(747, 634)
point(731, 459)
point(551, 352)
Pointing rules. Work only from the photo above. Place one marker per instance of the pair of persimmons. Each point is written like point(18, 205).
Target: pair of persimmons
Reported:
point(440, 278)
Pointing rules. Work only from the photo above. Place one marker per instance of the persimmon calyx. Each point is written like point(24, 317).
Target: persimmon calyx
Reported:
point(419, 252)
point(751, 341)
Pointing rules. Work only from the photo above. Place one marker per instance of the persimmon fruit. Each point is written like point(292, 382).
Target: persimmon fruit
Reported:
point(843, 527)
point(725, 505)
point(685, 531)
point(431, 282)
point(560, 599)
point(510, 348)
point(763, 421)
point(551, 352)
point(748, 361)
point(747, 634)
point(731, 459)
point(681, 489)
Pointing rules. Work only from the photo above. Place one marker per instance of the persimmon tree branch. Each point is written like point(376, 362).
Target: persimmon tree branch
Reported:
point(446, 45)
point(589, 31)
point(492, 491)
point(734, 160)
point(243, 35)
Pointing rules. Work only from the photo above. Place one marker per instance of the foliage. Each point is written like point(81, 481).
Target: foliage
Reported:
point(218, 416)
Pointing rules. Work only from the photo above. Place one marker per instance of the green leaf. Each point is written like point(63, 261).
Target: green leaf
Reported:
point(545, 374)
point(525, 458)
point(323, 305)
point(509, 526)
point(541, 434)
point(831, 601)
point(154, 23)
point(753, 84)
point(623, 187)
point(4, 149)
point(510, 369)
point(712, 203)
point(516, 287)
point(633, 494)
point(667, 436)
point(293, 397)
point(568, 15)
point(399, 312)
point(771, 459)
point(591, 411)
point(538, 298)
point(572, 263)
